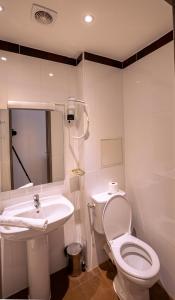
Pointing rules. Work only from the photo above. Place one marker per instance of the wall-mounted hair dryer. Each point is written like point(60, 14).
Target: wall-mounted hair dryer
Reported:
point(72, 115)
point(71, 110)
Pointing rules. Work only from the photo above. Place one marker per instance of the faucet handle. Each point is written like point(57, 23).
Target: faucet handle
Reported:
point(36, 197)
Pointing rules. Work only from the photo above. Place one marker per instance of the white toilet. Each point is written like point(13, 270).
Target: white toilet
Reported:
point(137, 263)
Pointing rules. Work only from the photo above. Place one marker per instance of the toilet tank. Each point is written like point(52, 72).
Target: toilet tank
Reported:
point(100, 200)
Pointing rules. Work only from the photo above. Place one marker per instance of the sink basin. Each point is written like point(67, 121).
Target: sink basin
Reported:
point(56, 209)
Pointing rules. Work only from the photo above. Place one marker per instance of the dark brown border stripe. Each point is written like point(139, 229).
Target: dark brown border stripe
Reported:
point(103, 60)
point(11, 47)
point(171, 2)
point(165, 39)
point(156, 45)
point(47, 55)
point(132, 59)
point(79, 59)
point(7, 46)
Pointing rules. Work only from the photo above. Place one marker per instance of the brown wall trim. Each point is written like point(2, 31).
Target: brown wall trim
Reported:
point(11, 47)
point(103, 60)
point(79, 58)
point(47, 55)
point(171, 2)
point(165, 39)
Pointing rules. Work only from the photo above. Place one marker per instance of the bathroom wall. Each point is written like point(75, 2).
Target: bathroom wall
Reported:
point(147, 90)
point(149, 111)
point(26, 79)
point(102, 90)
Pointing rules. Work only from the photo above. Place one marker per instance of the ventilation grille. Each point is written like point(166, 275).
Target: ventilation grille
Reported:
point(43, 15)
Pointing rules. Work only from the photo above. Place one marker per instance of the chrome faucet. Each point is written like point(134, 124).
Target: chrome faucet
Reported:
point(36, 201)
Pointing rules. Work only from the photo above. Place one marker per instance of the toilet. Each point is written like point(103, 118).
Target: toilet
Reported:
point(137, 263)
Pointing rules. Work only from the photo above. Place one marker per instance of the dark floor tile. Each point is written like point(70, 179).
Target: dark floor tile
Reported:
point(59, 284)
point(158, 293)
point(20, 295)
point(94, 285)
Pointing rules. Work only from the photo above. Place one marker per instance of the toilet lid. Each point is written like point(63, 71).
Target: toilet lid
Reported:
point(116, 217)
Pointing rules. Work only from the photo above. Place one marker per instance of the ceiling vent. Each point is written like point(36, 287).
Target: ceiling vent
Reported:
point(43, 15)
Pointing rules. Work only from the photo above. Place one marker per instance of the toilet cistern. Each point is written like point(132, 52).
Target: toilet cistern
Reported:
point(99, 202)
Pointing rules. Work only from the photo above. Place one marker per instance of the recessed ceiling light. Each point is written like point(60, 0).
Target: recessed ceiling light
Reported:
point(51, 74)
point(88, 18)
point(3, 58)
point(1, 8)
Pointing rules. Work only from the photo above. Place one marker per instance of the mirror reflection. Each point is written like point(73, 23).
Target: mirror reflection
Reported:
point(31, 147)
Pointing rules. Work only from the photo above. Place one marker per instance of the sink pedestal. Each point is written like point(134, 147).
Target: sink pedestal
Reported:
point(38, 268)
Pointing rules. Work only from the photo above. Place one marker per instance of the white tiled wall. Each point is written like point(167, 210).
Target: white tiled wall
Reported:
point(147, 90)
point(149, 110)
point(102, 90)
point(26, 79)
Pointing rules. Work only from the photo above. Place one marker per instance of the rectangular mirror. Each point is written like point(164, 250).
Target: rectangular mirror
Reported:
point(32, 147)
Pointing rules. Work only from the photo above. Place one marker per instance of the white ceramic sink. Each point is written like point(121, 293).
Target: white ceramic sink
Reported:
point(56, 209)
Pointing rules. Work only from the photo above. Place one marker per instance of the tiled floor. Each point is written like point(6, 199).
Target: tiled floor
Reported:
point(94, 285)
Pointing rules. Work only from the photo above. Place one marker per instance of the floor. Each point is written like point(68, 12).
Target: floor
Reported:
point(94, 285)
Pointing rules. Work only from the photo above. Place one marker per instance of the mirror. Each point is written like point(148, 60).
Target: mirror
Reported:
point(32, 147)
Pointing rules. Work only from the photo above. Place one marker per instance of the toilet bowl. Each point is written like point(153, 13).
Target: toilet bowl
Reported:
point(137, 263)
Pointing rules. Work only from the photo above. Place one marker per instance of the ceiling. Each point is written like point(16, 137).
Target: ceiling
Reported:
point(120, 27)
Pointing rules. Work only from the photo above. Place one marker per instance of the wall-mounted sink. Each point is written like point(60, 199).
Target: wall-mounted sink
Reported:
point(57, 210)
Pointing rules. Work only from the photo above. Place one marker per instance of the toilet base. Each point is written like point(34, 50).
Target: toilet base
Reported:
point(127, 290)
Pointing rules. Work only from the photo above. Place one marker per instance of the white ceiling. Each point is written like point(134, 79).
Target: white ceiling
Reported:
point(120, 28)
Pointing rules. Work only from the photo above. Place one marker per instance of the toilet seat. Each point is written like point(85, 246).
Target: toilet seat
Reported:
point(137, 263)
point(134, 257)
point(143, 253)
